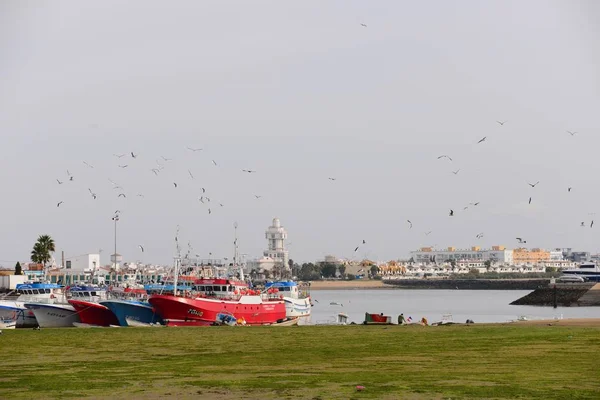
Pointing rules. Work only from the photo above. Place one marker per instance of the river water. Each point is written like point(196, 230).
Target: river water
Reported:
point(477, 305)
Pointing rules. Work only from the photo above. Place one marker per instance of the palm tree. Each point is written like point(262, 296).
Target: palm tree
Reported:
point(42, 249)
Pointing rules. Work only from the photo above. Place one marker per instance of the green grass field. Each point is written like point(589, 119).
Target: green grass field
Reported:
point(305, 362)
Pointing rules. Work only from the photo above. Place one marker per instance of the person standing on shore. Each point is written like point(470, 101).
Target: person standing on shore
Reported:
point(401, 320)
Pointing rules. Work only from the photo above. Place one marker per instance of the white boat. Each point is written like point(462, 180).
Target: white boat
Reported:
point(8, 324)
point(338, 319)
point(297, 303)
point(136, 323)
point(14, 308)
point(589, 271)
point(54, 315)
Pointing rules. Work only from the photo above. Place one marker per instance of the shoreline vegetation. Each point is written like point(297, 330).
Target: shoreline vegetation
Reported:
point(554, 359)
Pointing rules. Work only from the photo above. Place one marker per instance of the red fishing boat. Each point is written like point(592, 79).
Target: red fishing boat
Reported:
point(210, 297)
point(91, 313)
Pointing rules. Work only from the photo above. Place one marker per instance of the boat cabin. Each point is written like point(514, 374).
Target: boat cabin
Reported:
point(222, 289)
point(39, 292)
point(87, 293)
point(286, 289)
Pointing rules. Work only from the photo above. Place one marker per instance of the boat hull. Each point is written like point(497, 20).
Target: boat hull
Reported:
point(54, 315)
point(94, 313)
point(125, 310)
point(201, 311)
point(297, 307)
point(16, 311)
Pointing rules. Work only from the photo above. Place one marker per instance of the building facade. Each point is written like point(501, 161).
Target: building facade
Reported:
point(524, 256)
point(497, 254)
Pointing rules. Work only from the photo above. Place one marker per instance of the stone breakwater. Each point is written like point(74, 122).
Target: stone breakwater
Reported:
point(567, 295)
point(469, 284)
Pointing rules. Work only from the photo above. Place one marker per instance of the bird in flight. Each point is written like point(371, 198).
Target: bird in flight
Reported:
point(474, 204)
point(571, 133)
point(592, 223)
point(331, 179)
point(427, 233)
point(155, 170)
point(465, 208)
point(356, 249)
point(364, 242)
point(257, 196)
point(408, 220)
point(521, 240)
point(451, 213)
point(501, 122)
point(482, 140)
point(248, 171)
point(203, 190)
point(70, 176)
point(122, 194)
point(88, 165)
point(59, 203)
point(569, 189)
point(209, 212)
point(201, 199)
point(141, 247)
point(59, 182)
point(194, 150)
point(140, 195)
point(582, 224)
point(166, 159)
point(530, 200)
point(123, 166)
point(92, 193)
point(364, 25)
point(533, 184)
point(133, 155)
point(174, 184)
point(456, 172)
point(119, 155)
point(214, 162)
point(190, 172)
point(479, 235)
point(445, 156)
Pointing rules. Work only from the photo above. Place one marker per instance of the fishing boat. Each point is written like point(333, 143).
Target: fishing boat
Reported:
point(126, 311)
point(589, 271)
point(85, 300)
point(54, 315)
point(297, 302)
point(33, 292)
point(210, 297)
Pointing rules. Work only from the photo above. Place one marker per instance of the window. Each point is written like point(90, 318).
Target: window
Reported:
point(68, 264)
point(47, 290)
point(224, 288)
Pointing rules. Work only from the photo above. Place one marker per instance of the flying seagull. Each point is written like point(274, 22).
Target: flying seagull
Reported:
point(59, 203)
point(571, 133)
point(133, 155)
point(582, 224)
point(364, 25)
point(88, 164)
point(194, 150)
point(140, 195)
point(356, 249)
point(521, 240)
point(257, 196)
point(190, 172)
point(479, 235)
point(92, 193)
point(482, 140)
point(530, 200)
point(451, 213)
point(364, 242)
point(122, 194)
point(533, 184)
point(119, 155)
point(123, 166)
point(331, 179)
point(59, 182)
point(141, 247)
point(155, 170)
point(166, 159)
point(456, 172)
point(408, 220)
point(248, 171)
point(427, 233)
point(201, 199)
point(474, 204)
point(592, 223)
point(214, 162)
point(569, 189)
point(174, 184)
point(501, 122)
point(203, 190)
point(445, 156)
point(209, 212)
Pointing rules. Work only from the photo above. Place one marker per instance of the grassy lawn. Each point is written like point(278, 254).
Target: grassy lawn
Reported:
point(305, 362)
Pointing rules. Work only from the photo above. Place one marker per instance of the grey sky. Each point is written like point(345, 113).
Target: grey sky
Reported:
point(299, 93)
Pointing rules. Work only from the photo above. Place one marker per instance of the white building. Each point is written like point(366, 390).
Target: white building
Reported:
point(497, 254)
point(83, 263)
point(276, 254)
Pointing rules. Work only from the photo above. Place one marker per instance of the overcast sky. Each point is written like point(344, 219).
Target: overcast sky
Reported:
point(300, 92)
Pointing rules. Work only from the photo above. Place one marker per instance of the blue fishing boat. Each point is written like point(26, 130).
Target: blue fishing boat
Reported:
point(140, 311)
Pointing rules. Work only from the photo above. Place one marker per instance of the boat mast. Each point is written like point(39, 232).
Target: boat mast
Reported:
point(177, 262)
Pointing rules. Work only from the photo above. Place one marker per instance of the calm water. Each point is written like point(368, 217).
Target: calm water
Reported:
point(478, 305)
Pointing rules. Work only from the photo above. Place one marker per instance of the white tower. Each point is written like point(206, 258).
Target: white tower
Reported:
point(276, 236)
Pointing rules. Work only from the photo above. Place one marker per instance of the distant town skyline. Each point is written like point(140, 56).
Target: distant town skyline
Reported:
point(200, 115)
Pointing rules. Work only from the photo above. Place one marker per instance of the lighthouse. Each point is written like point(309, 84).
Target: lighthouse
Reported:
point(276, 236)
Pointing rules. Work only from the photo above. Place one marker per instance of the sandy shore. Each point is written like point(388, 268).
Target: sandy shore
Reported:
point(356, 284)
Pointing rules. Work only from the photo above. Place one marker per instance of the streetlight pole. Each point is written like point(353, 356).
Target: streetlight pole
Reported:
point(116, 219)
